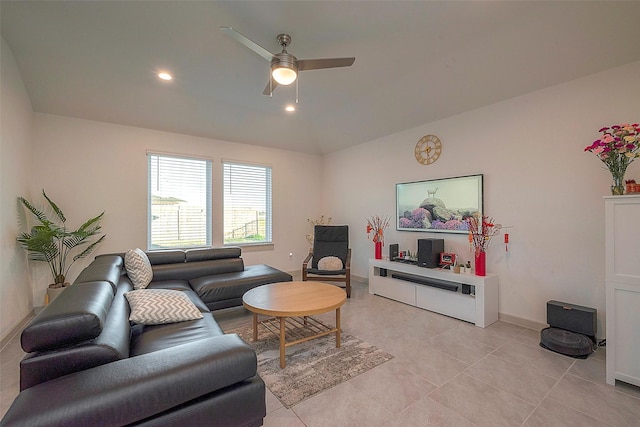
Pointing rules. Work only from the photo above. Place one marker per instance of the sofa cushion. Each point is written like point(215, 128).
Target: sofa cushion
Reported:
point(150, 338)
point(191, 270)
point(163, 388)
point(102, 269)
point(204, 254)
point(76, 315)
point(117, 259)
point(220, 287)
point(173, 256)
point(138, 268)
point(112, 344)
point(158, 306)
point(175, 285)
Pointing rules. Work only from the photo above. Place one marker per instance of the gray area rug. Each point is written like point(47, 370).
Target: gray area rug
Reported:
point(312, 366)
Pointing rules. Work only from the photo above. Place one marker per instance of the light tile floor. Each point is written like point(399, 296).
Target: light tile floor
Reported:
point(445, 373)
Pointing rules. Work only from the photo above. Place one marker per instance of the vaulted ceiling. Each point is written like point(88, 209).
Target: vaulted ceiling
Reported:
point(416, 61)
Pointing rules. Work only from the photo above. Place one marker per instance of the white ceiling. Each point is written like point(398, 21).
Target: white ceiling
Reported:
point(416, 62)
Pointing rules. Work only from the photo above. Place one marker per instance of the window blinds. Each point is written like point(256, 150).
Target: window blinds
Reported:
point(179, 204)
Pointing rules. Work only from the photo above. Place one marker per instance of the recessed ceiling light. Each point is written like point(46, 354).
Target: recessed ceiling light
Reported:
point(290, 108)
point(165, 76)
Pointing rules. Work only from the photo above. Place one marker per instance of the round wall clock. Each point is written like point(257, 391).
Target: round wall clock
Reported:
point(428, 149)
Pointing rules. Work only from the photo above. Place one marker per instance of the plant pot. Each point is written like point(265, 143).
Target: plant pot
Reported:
point(53, 292)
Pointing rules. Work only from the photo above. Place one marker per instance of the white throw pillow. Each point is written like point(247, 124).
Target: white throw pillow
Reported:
point(138, 268)
point(331, 263)
point(159, 306)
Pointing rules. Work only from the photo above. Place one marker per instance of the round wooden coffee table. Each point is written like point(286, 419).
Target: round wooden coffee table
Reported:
point(290, 305)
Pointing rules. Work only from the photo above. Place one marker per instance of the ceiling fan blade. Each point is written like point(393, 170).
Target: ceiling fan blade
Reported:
point(248, 43)
point(268, 90)
point(316, 64)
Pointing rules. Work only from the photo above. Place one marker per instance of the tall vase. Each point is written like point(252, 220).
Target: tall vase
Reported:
point(378, 250)
point(618, 169)
point(617, 189)
point(481, 263)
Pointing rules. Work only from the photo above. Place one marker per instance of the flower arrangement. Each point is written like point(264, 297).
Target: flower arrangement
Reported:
point(481, 232)
point(617, 148)
point(376, 225)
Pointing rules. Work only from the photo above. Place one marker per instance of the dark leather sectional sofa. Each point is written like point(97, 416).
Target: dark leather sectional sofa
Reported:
point(87, 365)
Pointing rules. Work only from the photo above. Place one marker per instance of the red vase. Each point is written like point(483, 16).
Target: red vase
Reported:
point(481, 263)
point(378, 250)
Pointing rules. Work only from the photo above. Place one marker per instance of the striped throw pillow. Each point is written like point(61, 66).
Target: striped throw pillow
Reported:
point(138, 268)
point(159, 306)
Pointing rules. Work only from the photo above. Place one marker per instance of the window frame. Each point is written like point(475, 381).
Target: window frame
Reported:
point(268, 195)
point(208, 204)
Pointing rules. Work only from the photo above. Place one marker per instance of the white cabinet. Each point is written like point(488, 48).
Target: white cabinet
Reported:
point(479, 306)
point(622, 273)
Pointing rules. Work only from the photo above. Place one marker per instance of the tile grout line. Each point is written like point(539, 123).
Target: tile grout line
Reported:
point(535, 406)
point(567, 406)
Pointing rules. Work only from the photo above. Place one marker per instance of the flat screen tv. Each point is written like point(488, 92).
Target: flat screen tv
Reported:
point(438, 205)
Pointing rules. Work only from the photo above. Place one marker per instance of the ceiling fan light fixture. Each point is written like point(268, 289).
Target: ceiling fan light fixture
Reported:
point(284, 75)
point(284, 68)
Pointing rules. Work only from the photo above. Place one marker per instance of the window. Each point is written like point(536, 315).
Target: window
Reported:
point(179, 205)
point(247, 203)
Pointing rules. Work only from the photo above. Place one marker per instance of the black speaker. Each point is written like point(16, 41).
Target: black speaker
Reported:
point(429, 252)
point(393, 251)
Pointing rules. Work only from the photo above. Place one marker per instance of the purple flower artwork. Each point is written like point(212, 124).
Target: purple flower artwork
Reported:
point(442, 205)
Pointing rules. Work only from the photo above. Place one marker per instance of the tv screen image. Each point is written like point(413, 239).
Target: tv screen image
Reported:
point(438, 205)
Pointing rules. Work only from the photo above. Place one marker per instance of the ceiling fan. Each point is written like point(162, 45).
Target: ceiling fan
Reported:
point(284, 65)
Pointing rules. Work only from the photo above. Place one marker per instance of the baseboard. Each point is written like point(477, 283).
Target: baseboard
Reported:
point(526, 323)
point(359, 279)
point(297, 275)
point(16, 329)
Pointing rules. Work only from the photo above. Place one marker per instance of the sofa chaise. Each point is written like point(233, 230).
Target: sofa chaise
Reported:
point(88, 364)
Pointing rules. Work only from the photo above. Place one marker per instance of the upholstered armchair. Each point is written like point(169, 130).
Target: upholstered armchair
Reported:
point(330, 256)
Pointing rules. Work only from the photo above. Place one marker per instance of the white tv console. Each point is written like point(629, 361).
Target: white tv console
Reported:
point(480, 307)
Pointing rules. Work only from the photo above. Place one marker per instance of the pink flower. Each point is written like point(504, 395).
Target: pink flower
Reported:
point(618, 147)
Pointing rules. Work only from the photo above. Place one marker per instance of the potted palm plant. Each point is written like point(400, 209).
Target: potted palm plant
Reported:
point(51, 241)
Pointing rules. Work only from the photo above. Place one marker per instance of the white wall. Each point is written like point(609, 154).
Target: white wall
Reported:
point(87, 167)
point(15, 170)
point(530, 150)
point(536, 178)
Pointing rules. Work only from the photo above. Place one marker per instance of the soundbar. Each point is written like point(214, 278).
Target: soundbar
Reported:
point(427, 281)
